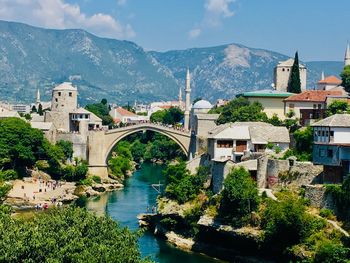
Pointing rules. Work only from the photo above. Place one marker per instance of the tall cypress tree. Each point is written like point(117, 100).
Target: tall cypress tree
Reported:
point(294, 84)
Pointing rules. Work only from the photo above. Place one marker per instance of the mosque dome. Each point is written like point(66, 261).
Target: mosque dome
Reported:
point(202, 104)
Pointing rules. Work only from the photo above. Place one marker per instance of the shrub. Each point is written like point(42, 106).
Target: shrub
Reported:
point(326, 213)
point(286, 222)
point(330, 252)
point(42, 165)
point(96, 179)
point(239, 197)
point(8, 175)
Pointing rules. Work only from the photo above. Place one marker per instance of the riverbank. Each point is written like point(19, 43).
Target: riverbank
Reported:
point(213, 239)
point(32, 192)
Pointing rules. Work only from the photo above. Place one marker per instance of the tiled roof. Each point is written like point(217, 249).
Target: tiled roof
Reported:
point(330, 80)
point(125, 112)
point(314, 95)
point(336, 120)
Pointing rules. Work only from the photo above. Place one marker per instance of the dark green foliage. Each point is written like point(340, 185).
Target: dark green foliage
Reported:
point(4, 189)
point(337, 106)
point(303, 145)
point(294, 84)
point(40, 110)
point(326, 213)
point(34, 110)
point(181, 185)
point(74, 173)
point(138, 150)
point(239, 197)
point(102, 111)
point(341, 195)
point(20, 144)
point(171, 116)
point(330, 252)
point(67, 148)
point(120, 162)
point(275, 121)
point(286, 222)
point(240, 109)
point(345, 76)
point(66, 235)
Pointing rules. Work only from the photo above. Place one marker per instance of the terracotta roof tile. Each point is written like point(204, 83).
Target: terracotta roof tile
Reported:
point(125, 112)
point(330, 80)
point(313, 95)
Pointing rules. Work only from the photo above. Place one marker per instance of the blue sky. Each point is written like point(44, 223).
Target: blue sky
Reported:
point(318, 29)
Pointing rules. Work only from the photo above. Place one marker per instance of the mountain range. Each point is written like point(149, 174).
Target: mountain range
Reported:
point(34, 58)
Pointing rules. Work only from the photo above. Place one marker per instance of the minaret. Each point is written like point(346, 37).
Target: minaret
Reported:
point(188, 100)
point(38, 96)
point(180, 98)
point(322, 75)
point(347, 56)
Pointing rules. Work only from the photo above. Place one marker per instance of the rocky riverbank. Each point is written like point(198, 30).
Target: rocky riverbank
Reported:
point(213, 238)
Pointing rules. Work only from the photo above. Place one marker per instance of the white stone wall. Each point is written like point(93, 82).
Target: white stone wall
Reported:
point(64, 100)
point(341, 135)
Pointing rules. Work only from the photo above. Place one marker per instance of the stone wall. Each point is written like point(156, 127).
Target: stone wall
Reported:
point(276, 173)
point(79, 143)
point(318, 197)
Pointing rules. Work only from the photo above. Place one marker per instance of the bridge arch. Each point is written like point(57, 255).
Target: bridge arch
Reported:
point(101, 143)
point(183, 147)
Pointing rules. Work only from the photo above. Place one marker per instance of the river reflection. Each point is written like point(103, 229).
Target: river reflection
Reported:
point(126, 204)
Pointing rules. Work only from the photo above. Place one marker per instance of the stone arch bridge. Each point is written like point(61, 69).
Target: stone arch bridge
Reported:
point(101, 143)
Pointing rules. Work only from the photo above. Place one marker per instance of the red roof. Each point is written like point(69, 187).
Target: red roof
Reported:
point(314, 95)
point(330, 80)
point(124, 112)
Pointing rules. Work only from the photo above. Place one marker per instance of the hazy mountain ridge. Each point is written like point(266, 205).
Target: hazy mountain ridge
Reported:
point(122, 71)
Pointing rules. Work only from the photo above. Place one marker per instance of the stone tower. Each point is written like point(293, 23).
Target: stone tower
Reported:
point(282, 75)
point(64, 98)
point(347, 56)
point(188, 100)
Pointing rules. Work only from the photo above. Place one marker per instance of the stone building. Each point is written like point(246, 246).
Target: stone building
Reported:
point(282, 75)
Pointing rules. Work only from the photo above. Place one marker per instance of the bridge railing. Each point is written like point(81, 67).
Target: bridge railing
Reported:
point(152, 124)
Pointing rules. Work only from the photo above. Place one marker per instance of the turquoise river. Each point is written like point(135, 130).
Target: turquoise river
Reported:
point(124, 206)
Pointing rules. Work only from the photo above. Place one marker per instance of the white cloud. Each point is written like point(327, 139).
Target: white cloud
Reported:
point(215, 12)
point(121, 2)
point(219, 7)
point(61, 15)
point(194, 33)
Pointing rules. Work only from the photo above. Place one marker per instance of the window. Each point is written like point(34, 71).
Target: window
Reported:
point(322, 133)
point(283, 69)
point(224, 144)
point(70, 94)
point(314, 106)
point(319, 133)
point(329, 153)
point(319, 106)
point(331, 133)
point(59, 93)
point(291, 106)
point(56, 99)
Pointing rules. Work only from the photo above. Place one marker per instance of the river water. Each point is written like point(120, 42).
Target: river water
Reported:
point(124, 206)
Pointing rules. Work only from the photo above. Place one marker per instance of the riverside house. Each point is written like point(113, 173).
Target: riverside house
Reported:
point(332, 146)
point(231, 141)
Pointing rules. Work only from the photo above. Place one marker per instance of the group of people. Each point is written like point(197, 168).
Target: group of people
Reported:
point(45, 205)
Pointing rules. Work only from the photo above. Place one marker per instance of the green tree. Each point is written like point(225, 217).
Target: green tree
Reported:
point(40, 110)
point(239, 196)
point(67, 148)
point(294, 84)
point(101, 110)
point(287, 223)
point(240, 109)
point(345, 76)
point(34, 110)
point(66, 235)
point(104, 101)
point(337, 106)
point(171, 116)
point(180, 184)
